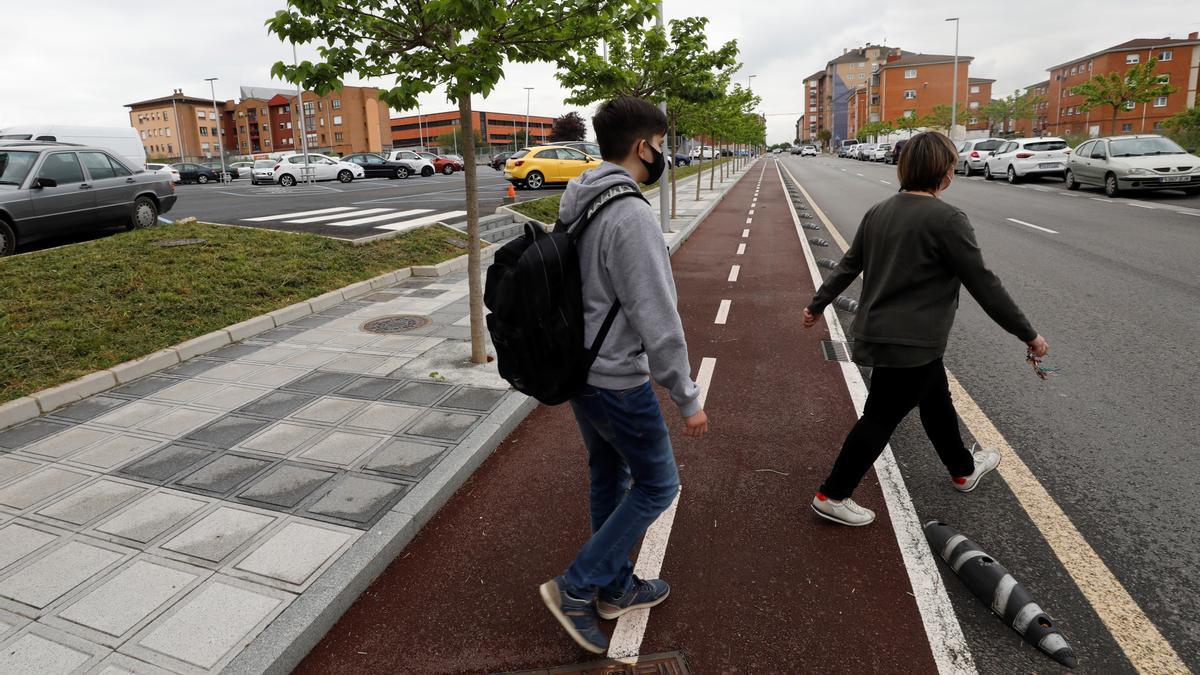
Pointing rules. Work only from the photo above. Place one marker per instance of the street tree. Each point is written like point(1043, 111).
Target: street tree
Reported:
point(1139, 84)
point(1003, 112)
point(457, 46)
point(909, 123)
point(824, 135)
point(940, 117)
point(453, 139)
point(1185, 128)
point(568, 127)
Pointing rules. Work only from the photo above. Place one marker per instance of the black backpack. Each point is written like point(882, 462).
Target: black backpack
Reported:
point(535, 295)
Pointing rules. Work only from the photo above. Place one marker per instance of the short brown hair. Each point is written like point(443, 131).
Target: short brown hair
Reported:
point(925, 161)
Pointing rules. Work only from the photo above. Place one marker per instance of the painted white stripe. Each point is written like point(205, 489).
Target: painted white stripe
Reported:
point(394, 215)
point(335, 216)
point(1068, 194)
point(749, 221)
point(946, 641)
point(751, 212)
point(950, 544)
point(1143, 206)
point(745, 233)
point(626, 641)
point(966, 556)
point(734, 272)
point(723, 312)
point(884, 181)
point(858, 174)
point(1003, 591)
point(298, 214)
point(1036, 227)
point(419, 222)
point(1102, 200)
point(741, 249)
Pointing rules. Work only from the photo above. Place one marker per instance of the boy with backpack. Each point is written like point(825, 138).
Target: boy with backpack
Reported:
point(631, 321)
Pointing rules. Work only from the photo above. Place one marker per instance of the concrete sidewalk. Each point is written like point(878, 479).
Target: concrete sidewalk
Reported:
point(221, 514)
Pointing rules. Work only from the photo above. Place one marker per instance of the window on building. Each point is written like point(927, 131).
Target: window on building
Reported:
point(910, 94)
point(204, 147)
point(170, 149)
point(214, 131)
point(200, 114)
point(308, 108)
point(266, 127)
point(165, 117)
point(144, 134)
point(168, 130)
point(337, 104)
point(1127, 127)
point(973, 121)
point(263, 112)
point(1166, 55)
point(1130, 105)
point(322, 121)
point(203, 131)
point(1073, 70)
point(1165, 78)
point(281, 126)
point(910, 74)
point(267, 142)
point(1133, 58)
point(289, 125)
point(910, 113)
point(337, 119)
point(337, 136)
point(1160, 102)
point(973, 105)
point(212, 115)
point(974, 89)
point(320, 105)
point(241, 113)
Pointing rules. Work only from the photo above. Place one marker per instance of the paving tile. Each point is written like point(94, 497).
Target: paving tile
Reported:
point(474, 398)
point(282, 438)
point(235, 351)
point(192, 367)
point(319, 382)
point(328, 410)
point(42, 650)
point(446, 426)
point(286, 485)
point(356, 499)
point(313, 336)
point(232, 372)
point(179, 422)
point(230, 397)
point(160, 465)
point(398, 343)
point(281, 334)
point(133, 414)
point(227, 431)
point(386, 417)
point(10, 623)
point(311, 358)
point(275, 376)
point(419, 393)
point(29, 432)
point(151, 517)
point(391, 366)
point(55, 574)
point(295, 553)
point(90, 408)
point(120, 664)
point(270, 354)
point(453, 332)
point(70, 441)
point(278, 404)
point(341, 448)
point(408, 459)
point(185, 391)
point(367, 387)
point(113, 452)
point(144, 386)
point(13, 468)
point(18, 540)
point(130, 596)
point(214, 621)
point(310, 321)
point(223, 474)
point(90, 502)
point(352, 340)
point(218, 534)
point(344, 309)
point(354, 363)
point(33, 488)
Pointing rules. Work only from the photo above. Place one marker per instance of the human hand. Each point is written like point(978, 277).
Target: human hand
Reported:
point(809, 319)
point(696, 425)
point(1038, 346)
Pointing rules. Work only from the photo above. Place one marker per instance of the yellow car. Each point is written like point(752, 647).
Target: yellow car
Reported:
point(535, 167)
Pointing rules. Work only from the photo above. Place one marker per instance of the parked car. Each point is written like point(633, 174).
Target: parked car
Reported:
point(420, 165)
point(1028, 157)
point(703, 151)
point(441, 163)
point(499, 159)
point(243, 169)
point(862, 151)
point(894, 154)
point(586, 147)
point(263, 171)
point(376, 166)
point(535, 167)
point(680, 159)
point(846, 146)
point(809, 151)
point(49, 189)
point(973, 153)
point(1132, 163)
point(196, 173)
point(123, 142)
point(880, 152)
point(290, 170)
point(165, 169)
point(230, 172)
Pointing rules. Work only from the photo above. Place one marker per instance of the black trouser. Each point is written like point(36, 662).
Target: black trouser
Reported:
point(894, 392)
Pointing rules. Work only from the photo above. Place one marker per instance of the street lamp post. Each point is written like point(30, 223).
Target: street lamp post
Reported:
point(420, 130)
point(178, 125)
point(527, 90)
point(212, 87)
point(664, 196)
point(954, 90)
point(750, 88)
point(300, 117)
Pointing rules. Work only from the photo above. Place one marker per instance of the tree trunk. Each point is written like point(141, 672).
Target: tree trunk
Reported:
point(1113, 131)
point(712, 171)
point(671, 161)
point(699, 170)
point(474, 273)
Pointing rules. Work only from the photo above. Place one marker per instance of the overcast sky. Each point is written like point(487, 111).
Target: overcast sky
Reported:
point(80, 61)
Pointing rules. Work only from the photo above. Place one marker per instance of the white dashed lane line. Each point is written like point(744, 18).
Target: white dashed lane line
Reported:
point(745, 233)
point(741, 249)
point(1036, 227)
point(734, 272)
point(723, 312)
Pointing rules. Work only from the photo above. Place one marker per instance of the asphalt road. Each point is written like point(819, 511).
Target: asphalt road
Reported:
point(1115, 290)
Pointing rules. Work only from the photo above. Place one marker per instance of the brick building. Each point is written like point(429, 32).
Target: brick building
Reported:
point(177, 126)
point(851, 83)
point(1035, 125)
point(1178, 63)
point(494, 128)
point(979, 94)
point(912, 85)
point(813, 121)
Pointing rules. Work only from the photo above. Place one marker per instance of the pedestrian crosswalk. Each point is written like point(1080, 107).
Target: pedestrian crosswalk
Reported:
point(346, 216)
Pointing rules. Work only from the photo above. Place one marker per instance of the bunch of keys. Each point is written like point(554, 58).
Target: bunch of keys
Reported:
point(1043, 372)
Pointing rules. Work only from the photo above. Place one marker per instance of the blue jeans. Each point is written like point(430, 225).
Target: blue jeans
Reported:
point(633, 480)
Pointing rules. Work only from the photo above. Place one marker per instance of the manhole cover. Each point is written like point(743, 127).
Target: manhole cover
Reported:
point(179, 242)
point(395, 324)
point(653, 664)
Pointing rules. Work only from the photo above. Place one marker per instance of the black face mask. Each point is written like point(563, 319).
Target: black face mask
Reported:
point(655, 168)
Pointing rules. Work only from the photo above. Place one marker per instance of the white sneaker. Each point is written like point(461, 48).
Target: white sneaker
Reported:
point(845, 511)
point(986, 462)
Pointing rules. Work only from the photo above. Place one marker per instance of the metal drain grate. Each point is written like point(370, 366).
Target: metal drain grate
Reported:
point(395, 324)
point(836, 350)
point(654, 664)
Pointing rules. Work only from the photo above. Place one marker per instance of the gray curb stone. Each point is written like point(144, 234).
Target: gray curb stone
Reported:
point(290, 313)
point(248, 329)
point(19, 410)
point(202, 345)
point(75, 390)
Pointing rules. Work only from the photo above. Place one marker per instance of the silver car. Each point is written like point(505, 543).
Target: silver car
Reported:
point(263, 172)
point(51, 189)
point(972, 154)
point(1128, 163)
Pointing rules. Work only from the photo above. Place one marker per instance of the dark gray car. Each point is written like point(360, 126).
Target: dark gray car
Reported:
point(53, 189)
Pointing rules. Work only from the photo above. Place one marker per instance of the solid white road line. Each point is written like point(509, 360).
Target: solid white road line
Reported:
point(946, 640)
point(411, 224)
point(745, 233)
point(734, 272)
point(298, 214)
point(1102, 200)
point(1142, 206)
point(335, 216)
point(394, 215)
point(723, 312)
point(626, 641)
point(741, 249)
point(1036, 227)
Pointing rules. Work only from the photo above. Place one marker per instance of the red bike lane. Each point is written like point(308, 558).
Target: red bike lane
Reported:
point(759, 584)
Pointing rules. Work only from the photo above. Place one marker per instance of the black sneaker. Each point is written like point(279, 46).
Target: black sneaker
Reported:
point(577, 616)
point(641, 595)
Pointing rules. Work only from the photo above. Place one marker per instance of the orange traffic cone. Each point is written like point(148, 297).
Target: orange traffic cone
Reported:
point(511, 197)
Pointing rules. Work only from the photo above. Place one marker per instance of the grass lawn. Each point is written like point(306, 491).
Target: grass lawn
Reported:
point(546, 209)
point(70, 311)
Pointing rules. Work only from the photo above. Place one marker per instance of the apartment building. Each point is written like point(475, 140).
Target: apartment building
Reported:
point(852, 84)
point(912, 85)
point(494, 128)
point(1177, 63)
point(177, 126)
point(1035, 125)
point(813, 121)
point(979, 94)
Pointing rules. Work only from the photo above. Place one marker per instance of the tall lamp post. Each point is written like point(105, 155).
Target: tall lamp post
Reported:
point(527, 90)
point(954, 90)
point(300, 117)
point(664, 194)
point(750, 84)
point(212, 87)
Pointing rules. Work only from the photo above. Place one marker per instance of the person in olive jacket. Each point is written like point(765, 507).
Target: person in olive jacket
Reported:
point(914, 251)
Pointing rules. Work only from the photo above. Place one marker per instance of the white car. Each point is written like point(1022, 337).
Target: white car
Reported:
point(420, 165)
point(880, 152)
point(263, 171)
point(808, 151)
point(290, 170)
point(241, 169)
point(972, 154)
point(1028, 157)
point(164, 169)
point(705, 151)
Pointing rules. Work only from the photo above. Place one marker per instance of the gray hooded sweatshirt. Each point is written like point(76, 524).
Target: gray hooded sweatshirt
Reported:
point(622, 255)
